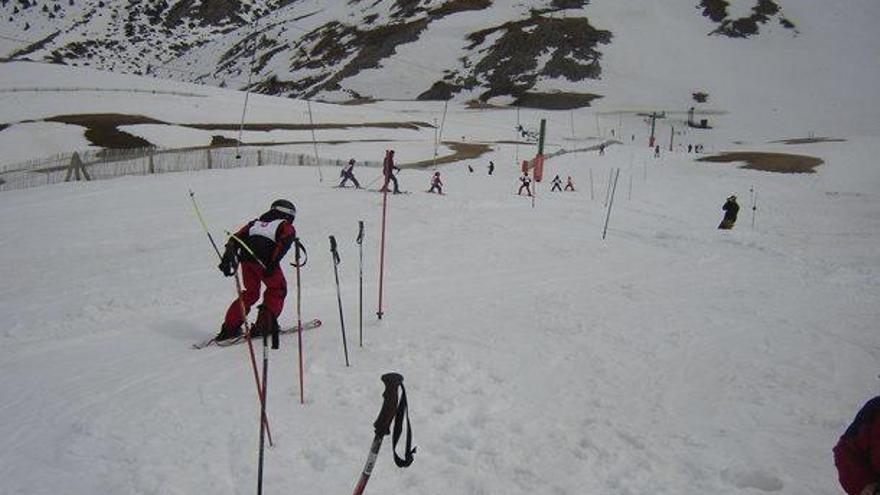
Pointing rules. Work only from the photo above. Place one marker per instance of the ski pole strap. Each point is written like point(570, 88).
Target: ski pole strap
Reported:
point(298, 246)
point(333, 250)
point(392, 410)
point(360, 237)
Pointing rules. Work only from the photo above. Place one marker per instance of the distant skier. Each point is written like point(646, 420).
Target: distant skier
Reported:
point(436, 183)
point(348, 174)
point(601, 149)
point(731, 208)
point(569, 185)
point(269, 238)
point(491, 167)
point(388, 168)
point(856, 453)
point(557, 184)
point(526, 182)
point(657, 151)
point(470, 169)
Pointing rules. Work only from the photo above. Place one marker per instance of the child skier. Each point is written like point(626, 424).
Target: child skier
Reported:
point(436, 183)
point(569, 185)
point(557, 184)
point(269, 238)
point(526, 181)
point(348, 174)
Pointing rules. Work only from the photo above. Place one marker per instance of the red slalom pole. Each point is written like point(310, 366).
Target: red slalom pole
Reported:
point(382, 250)
point(261, 393)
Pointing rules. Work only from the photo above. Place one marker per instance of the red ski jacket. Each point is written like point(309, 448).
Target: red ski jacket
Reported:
point(857, 453)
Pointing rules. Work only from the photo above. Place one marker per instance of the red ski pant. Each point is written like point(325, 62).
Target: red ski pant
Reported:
point(252, 275)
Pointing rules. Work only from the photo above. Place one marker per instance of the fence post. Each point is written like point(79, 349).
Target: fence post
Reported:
point(150, 158)
point(208, 155)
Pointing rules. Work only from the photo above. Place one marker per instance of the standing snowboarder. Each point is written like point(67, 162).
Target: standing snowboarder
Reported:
point(348, 174)
point(731, 208)
point(388, 168)
point(569, 185)
point(491, 167)
point(557, 184)
point(436, 183)
point(855, 455)
point(526, 181)
point(268, 239)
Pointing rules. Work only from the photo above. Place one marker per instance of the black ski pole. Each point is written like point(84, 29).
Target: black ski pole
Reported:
point(262, 414)
point(360, 243)
point(382, 427)
point(336, 260)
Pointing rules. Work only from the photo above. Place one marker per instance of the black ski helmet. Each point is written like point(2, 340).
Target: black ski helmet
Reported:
point(285, 207)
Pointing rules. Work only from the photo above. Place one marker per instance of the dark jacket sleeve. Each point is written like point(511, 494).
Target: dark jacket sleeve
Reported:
point(283, 240)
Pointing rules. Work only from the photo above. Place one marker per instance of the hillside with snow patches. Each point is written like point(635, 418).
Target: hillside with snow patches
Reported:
point(669, 357)
point(497, 52)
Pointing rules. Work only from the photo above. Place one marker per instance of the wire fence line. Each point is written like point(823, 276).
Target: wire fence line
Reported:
point(111, 163)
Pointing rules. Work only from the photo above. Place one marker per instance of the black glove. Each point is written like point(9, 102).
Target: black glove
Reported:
point(228, 263)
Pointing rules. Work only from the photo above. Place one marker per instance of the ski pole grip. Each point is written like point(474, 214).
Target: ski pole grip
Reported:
point(382, 425)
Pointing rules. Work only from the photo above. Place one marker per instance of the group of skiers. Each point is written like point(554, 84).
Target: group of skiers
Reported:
point(257, 248)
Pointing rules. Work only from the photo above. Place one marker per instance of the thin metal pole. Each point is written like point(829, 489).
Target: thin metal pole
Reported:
point(314, 142)
point(360, 242)
point(247, 90)
point(382, 252)
point(610, 203)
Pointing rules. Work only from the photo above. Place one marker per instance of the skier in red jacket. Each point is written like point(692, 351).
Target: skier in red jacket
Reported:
point(857, 453)
point(268, 239)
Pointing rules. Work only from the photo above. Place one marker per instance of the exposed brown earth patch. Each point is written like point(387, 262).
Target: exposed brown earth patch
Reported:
point(768, 162)
point(462, 151)
point(811, 140)
point(555, 101)
point(102, 128)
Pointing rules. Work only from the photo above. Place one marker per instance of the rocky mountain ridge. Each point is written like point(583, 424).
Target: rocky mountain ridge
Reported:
point(505, 52)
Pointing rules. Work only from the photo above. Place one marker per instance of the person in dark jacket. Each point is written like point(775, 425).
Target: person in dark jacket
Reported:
point(857, 453)
point(557, 184)
point(491, 167)
point(731, 208)
point(388, 168)
point(268, 239)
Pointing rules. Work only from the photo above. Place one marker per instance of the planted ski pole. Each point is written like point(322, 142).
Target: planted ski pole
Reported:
point(301, 257)
point(263, 425)
point(754, 205)
point(610, 203)
point(392, 410)
point(382, 252)
point(335, 253)
point(360, 243)
point(238, 291)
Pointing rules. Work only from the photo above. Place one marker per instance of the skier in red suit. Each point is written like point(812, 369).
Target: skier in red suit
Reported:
point(269, 238)
point(857, 453)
